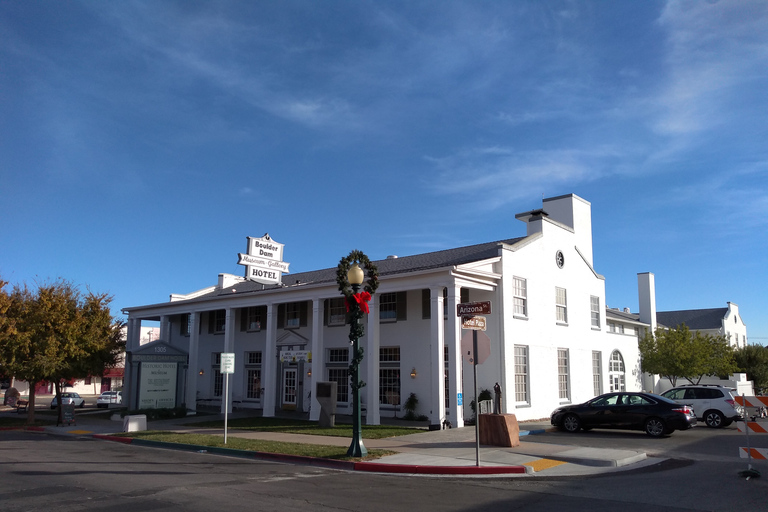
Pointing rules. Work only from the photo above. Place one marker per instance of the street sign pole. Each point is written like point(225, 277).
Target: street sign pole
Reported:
point(226, 404)
point(227, 367)
point(477, 403)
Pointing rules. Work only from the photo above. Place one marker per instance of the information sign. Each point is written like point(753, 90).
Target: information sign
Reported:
point(227, 362)
point(476, 323)
point(473, 308)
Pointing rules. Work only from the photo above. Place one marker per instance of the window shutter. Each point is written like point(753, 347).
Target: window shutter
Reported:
point(281, 316)
point(303, 314)
point(243, 319)
point(326, 303)
point(464, 295)
point(426, 310)
point(402, 305)
point(211, 321)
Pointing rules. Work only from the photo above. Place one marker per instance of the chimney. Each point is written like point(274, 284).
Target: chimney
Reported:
point(646, 294)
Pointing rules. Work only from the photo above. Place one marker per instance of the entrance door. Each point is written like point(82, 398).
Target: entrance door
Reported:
point(289, 388)
point(106, 384)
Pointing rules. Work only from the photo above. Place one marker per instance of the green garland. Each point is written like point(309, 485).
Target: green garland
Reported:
point(370, 269)
point(356, 330)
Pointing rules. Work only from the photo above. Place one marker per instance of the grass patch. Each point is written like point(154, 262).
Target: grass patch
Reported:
point(291, 426)
point(255, 445)
point(6, 421)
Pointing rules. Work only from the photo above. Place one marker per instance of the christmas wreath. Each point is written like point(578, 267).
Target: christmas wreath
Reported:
point(371, 272)
point(356, 303)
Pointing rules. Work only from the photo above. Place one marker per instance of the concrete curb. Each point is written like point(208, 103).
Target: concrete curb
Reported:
point(371, 467)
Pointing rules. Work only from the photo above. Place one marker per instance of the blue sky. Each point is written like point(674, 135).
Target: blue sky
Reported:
point(142, 142)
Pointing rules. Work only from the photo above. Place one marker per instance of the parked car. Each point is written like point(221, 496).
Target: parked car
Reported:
point(109, 397)
point(69, 398)
point(713, 404)
point(654, 414)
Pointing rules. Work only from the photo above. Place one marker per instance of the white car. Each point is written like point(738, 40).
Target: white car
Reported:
point(109, 397)
point(713, 404)
point(69, 398)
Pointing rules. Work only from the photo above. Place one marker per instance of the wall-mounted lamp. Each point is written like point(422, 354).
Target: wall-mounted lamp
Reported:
point(202, 372)
point(413, 373)
point(309, 372)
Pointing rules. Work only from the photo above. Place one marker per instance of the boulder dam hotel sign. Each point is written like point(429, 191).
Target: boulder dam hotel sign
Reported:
point(264, 261)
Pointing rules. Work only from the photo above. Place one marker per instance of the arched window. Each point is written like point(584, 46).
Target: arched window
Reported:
point(616, 372)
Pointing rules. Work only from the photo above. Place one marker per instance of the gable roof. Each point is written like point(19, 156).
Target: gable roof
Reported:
point(695, 319)
point(386, 267)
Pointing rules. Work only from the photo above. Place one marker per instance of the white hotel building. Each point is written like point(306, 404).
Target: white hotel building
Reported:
point(549, 339)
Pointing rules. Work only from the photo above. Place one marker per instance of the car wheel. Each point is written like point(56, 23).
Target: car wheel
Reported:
point(82, 404)
point(53, 407)
point(714, 419)
point(571, 423)
point(655, 427)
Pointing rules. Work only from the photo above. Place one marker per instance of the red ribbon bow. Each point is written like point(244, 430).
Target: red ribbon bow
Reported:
point(362, 299)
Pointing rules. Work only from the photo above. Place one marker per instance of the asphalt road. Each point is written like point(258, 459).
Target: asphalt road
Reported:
point(57, 474)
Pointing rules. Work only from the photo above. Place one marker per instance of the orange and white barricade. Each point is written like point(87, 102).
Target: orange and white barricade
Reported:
point(759, 403)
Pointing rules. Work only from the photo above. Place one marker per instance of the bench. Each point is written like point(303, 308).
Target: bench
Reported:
point(21, 405)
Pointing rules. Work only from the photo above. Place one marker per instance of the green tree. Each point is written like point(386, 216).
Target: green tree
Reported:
point(57, 334)
point(753, 359)
point(678, 353)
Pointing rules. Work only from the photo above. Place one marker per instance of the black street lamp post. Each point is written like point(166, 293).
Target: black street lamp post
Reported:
point(356, 330)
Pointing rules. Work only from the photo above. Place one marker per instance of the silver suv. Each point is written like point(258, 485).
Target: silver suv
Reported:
point(712, 404)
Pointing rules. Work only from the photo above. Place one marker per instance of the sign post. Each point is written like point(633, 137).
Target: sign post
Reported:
point(227, 367)
point(467, 311)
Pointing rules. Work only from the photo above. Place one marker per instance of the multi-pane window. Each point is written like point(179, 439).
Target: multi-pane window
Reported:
point(561, 305)
point(389, 355)
point(446, 378)
point(521, 297)
point(389, 386)
point(617, 362)
point(562, 373)
point(337, 311)
point(185, 324)
point(594, 308)
point(521, 374)
point(341, 377)
point(616, 371)
point(219, 321)
point(253, 375)
point(388, 306)
point(293, 315)
point(338, 355)
point(253, 383)
point(253, 321)
point(338, 372)
point(597, 378)
point(218, 382)
point(389, 375)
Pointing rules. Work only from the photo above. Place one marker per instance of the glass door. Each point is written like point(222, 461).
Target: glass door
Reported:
point(289, 388)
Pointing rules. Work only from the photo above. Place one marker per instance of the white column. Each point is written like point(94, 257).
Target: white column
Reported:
point(229, 347)
point(372, 342)
point(437, 358)
point(453, 340)
point(269, 363)
point(165, 328)
point(194, 364)
point(318, 356)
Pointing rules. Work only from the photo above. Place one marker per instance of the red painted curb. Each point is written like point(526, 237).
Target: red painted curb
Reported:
point(124, 440)
point(439, 470)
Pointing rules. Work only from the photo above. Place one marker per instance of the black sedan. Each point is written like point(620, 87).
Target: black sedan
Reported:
point(654, 414)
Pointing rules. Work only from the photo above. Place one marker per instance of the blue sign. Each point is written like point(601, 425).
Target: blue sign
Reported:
point(461, 399)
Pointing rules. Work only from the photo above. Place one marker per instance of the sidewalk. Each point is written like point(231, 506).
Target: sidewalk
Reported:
point(440, 452)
